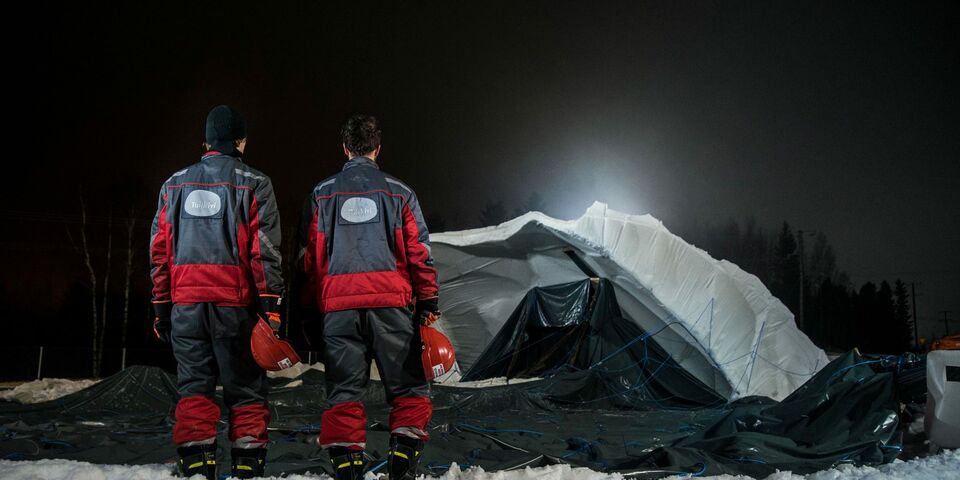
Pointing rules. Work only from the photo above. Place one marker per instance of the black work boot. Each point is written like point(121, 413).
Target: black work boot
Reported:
point(403, 457)
point(347, 464)
point(248, 462)
point(196, 459)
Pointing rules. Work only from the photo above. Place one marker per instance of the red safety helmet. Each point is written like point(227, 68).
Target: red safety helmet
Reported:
point(438, 356)
point(270, 352)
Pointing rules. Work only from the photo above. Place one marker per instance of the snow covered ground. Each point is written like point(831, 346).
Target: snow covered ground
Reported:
point(44, 390)
point(944, 466)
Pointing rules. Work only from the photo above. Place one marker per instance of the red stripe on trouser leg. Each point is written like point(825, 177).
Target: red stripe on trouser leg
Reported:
point(196, 420)
point(413, 412)
point(249, 421)
point(344, 423)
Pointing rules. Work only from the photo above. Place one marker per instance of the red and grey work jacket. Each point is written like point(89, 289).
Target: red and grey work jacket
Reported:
point(364, 243)
point(216, 235)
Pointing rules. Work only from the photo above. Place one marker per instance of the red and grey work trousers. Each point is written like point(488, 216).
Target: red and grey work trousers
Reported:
point(212, 343)
point(392, 339)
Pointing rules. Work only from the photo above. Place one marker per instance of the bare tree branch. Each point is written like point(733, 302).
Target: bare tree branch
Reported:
point(104, 300)
point(131, 222)
point(93, 279)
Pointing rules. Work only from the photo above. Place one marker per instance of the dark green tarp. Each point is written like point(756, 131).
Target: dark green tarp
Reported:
point(579, 326)
point(610, 399)
point(847, 413)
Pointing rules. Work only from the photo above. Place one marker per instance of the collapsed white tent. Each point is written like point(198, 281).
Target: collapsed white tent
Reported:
point(717, 321)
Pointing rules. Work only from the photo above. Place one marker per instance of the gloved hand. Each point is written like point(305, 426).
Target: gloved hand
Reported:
point(271, 311)
point(161, 321)
point(428, 311)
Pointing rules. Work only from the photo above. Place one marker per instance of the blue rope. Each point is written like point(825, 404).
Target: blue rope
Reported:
point(805, 374)
point(848, 367)
point(586, 445)
point(378, 467)
point(444, 466)
point(57, 442)
point(641, 337)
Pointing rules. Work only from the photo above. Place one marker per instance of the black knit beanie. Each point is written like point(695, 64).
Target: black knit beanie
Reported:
point(224, 125)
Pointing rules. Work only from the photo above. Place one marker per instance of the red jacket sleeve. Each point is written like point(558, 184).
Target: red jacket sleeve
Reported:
point(416, 239)
point(159, 251)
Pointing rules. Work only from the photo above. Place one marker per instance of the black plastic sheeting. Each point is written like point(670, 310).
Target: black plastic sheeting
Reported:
point(846, 413)
point(579, 326)
point(610, 399)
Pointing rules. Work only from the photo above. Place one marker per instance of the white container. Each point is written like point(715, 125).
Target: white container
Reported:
point(942, 420)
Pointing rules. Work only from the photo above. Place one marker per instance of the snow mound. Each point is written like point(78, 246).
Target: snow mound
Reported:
point(73, 470)
point(44, 390)
point(550, 472)
point(945, 466)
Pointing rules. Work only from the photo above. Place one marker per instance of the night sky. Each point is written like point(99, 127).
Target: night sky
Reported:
point(839, 117)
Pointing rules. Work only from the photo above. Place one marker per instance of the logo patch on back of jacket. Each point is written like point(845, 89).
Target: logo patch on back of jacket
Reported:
point(357, 210)
point(203, 204)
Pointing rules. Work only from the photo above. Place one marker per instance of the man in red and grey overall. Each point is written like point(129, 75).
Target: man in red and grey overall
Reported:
point(366, 252)
point(215, 258)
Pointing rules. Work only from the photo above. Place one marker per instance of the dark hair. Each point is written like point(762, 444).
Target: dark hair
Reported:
point(361, 134)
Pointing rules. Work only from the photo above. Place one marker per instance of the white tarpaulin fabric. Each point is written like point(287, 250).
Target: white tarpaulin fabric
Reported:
point(717, 321)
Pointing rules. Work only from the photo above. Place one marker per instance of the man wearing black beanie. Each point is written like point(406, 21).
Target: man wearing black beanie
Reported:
point(226, 131)
point(215, 258)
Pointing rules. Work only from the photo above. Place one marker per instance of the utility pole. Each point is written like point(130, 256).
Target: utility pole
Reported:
point(946, 320)
point(916, 321)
